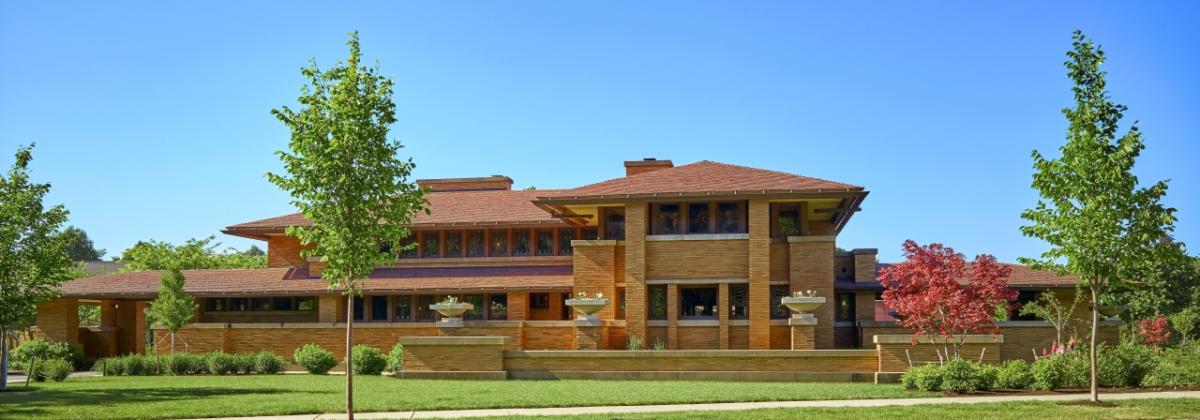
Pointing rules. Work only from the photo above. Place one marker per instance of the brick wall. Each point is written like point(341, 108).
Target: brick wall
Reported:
point(864, 306)
point(693, 360)
point(1021, 338)
point(896, 350)
point(696, 259)
point(98, 341)
point(635, 270)
point(812, 269)
point(699, 338)
point(759, 270)
point(557, 335)
point(595, 271)
point(58, 320)
point(453, 354)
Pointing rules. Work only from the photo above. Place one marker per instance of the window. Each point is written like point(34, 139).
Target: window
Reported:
point(739, 301)
point(778, 311)
point(239, 304)
point(358, 308)
point(497, 306)
point(432, 245)
point(565, 236)
point(306, 303)
point(665, 218)
point(698, 302)
point(787, 223)
point(215, 305)
point(454, 244)
point(424, 314)
point(731, 218)
point(590, 234)
point(404, 308)
point(477, 309)
point(408, 246)
point(698, 218)
point(845, 307)
point(657, 296)
point(475, 243)
point(539, 301)
point(545, 241)
point(282, 304)
point(620, 303)
point(614, 224)
point(521, 242)
point(499, 243)
point(1023, 297)
point(379, 308)
point(260, 304)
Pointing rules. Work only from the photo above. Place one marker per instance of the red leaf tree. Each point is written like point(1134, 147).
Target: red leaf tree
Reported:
point(927, 293)
point(1154, 331)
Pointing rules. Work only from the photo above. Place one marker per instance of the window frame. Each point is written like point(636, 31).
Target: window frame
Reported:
point(713, 290)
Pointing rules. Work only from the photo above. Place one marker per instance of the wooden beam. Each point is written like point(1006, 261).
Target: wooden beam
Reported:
point(837, 209)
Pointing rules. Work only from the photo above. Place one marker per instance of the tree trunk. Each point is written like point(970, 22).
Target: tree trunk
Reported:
point(1095, 392)
point(349, 356)
point(3, 359)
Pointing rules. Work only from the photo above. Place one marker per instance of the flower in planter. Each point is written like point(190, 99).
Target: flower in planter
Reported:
point(805, 293)
point(449, 300)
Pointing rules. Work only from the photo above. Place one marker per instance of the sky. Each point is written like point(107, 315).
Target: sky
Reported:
point(152, 120)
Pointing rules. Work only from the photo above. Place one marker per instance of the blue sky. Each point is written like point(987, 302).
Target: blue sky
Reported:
point(152, 119)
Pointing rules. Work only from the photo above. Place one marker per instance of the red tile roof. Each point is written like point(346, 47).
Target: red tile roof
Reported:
point(1022, 276)
point(703, 177)
point(293, 281)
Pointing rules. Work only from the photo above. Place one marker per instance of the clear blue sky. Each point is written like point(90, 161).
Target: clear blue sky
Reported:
point(152, 120)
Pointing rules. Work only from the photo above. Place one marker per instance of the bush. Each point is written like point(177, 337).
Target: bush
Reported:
point(958, 375)
point(108, 367)
point(926, 377)
point(368, 360)
point(1123, 366)
point(314, 359)
point(1069, 370)
point(136, 365)
point(396, 358)
point(985, 375)
point(244, 363)
point(57, 369)
point(1014, 374)
point(174, 364)
point(43, 350)
point(220, 363)
point(1178, 367)
point(197, 364)
point(268, 363)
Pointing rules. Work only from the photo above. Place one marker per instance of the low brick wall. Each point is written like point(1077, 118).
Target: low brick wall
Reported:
point(454, 354)
point(895, 351)
point(692, 360)
point(1021, 338)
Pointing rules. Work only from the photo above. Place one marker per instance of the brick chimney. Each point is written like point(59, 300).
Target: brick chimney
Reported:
point(634, 167)
point(488, 183)
point(864, 264)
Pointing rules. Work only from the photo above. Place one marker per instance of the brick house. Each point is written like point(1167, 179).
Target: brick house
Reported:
point(692, 257)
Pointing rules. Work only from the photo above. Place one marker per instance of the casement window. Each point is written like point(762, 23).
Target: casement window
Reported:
point(305, 303)
point(283, 304)
point(666, 218)
point(403, 308)
point(497, 306)
point(475, 244)
point(739, 301)
point(477, 309)
point(499, 243)
point(698, 302)
point(276, 304)
point(614, 223)
point(379, 308)
point(539, 301)
point(454, 245)
point(788, 219)
point(545, 242)
point(731, 217)
point(359, 308)
point(590, 234)
point(424, 314)
point(656, 296)
point(260, 304)
point(845, 308)
point(778, 311)
point(431, 244)
point(565, 236)
point(699, 218)
point(408, 247)
point(1023, 297)
point(521, 242)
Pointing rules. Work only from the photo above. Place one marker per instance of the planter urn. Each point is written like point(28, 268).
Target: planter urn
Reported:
point(587, 307)
point(451, 313)
point(802, 307)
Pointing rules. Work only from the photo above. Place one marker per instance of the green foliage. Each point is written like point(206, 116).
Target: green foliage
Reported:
point(44, 350)
point(172, 308)
point(1014, 374)
point(368, 360)
point(192, 254)
point(1068, 370)
point(314, 359)
point(175, 364)
point(396, 358)
point(1185, 322)
point(244, 363)
point(1048, 308)
point(1169, 287)
point(1176, 367)
point(32, 260)
point(1123, 366)
point(221, 363)
point(268, 363)
point(960, 375)
point(633, 343)
point(89, 315)
point(57, 369)
point(136, 365)
point(926, 377)
point(78, 246)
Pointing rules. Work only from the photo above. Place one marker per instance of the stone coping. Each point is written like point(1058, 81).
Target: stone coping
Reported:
point(698, 323)
point(399, 325)
point(700, 237)
point(453, 341)
point(1001, 324)
point(666, 354)
point(594, 242)
point(811, 238)
point(743, 280)
point(907, 339)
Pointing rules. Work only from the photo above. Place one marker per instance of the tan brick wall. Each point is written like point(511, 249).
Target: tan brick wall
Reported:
point(723, 316)
point(591, 337)
point(284, 251)
point(58, 320)
point(331, 308)
point(595, 271)
point(781, 337)
point(864, 306)
point(739, 337)
point(696, 259)
point(672, 316)
point(864, 266)
point(453, 358)
point(557, 336)
point(667, 360)
point(759, 269)
point(803, 337)
point(616, 338)
point(518, 305)
point(843, 266)
point(1021, 339)
point(635, 270)
point(699, 338)
point(812, 269)
point(98, 342)
point(892, 357)
point(194, 340)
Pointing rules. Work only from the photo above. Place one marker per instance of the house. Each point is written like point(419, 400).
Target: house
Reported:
point(696, 256)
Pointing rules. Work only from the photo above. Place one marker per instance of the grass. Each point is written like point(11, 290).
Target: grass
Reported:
point(218, 396)
point(1177, 408)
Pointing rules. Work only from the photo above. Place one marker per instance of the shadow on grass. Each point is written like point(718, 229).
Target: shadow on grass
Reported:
point(37, 401)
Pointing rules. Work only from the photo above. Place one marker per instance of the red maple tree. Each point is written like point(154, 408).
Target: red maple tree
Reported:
point(1154, 331)
point(927, 293)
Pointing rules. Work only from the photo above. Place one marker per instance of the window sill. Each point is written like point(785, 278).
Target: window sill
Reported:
point(700, 237)
point(699, 323)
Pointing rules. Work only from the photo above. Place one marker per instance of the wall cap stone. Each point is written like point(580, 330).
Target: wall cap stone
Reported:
point(700, 237)
point(907, 339)
point(811, 238)
point(593, 242)
point(454, 341)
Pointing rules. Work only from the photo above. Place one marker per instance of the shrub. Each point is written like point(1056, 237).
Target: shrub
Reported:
point(368, 360)
point(220, 363)
point(396, 358)
point(1068, 370)
point(1124, 365)
point(57, 369)
point(43, 350)
point(1014, 374)
point(958, 375)
point(314, 359)
point(108, 367)
point(985, 375)
point(1154, 331)
point(136, 365)
point(634, 343)
point(268, 363)
point(244, 363)
point(925, 377)
point(1178, 367)
point(197, 363)
point(174, 364)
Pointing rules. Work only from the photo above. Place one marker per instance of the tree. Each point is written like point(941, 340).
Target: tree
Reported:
point(1048, 308)
point(173, 308)
point(79, 246)
point(1169, 287)
point(1099, 224)
point(1185, 322)
point(343, 175)
point(925, 292)
point(191, 255)
point(32, 260)
point(254, 251)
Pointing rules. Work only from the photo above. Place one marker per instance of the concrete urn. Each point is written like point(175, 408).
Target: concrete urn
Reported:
point(452, 310)
point(587, 307)
point(803, 305)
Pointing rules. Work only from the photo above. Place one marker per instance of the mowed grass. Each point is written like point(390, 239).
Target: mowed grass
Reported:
point(223, 396)
point(1176, 408)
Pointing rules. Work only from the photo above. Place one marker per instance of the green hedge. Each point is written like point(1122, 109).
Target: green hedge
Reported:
point(216, 363)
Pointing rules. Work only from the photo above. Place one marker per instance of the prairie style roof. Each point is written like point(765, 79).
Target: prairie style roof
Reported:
point(296, 281)
point(703, 177)
point(1022, 277)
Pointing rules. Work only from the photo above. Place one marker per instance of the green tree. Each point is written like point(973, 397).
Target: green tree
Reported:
point(1048, 308)
point(32, 260)
point(254, 251)
point(1100, 224)
point(1169, 287)
point(79, 246)
point(191, 255)
point(344, 175)
point(173, 308)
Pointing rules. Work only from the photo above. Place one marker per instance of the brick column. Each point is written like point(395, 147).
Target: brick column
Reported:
point(590, 334)
point(518, 305)
point(330, 308)
point(139, 335)
point(594, 272)
point(811, 268)
point(58, 320)
point(803, 331)
point(760, 274)
point(672, 317)
point(635, 270)
point(723, 315)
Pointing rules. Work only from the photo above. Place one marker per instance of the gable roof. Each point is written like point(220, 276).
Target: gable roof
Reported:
point(703, 177)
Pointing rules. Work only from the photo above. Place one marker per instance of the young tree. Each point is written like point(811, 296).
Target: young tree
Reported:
point(173, 308)
point(1100, 225)
point(343, 175)
point(1185, 322)
point(925, 292)
point(32, 260)
point(1048, 308)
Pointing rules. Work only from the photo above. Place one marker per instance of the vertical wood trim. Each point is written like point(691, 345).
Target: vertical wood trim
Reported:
point(802, 217)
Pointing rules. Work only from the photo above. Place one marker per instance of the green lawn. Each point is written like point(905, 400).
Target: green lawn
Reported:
point(1179, 408)
point(215, 396)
